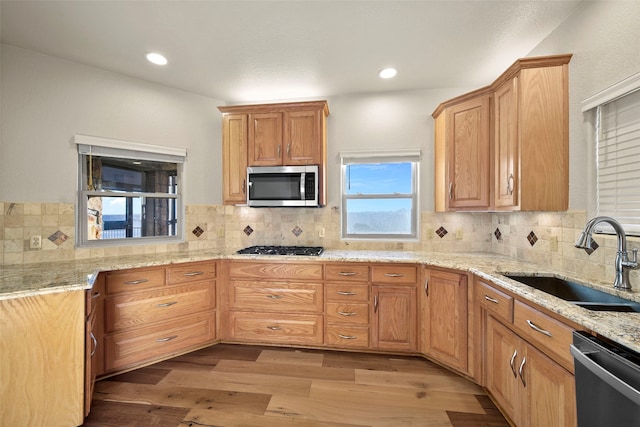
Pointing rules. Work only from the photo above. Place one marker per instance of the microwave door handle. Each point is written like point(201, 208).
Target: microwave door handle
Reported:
point(302, 186)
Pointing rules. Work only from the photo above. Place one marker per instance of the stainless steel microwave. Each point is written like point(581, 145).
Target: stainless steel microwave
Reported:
point(282, 186)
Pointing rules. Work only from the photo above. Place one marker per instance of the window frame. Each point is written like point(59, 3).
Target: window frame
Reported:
point(109, 148)
point(593, 107)
point(412, 156)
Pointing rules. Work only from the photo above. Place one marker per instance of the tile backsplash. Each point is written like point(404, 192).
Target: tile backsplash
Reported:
point(544, 238)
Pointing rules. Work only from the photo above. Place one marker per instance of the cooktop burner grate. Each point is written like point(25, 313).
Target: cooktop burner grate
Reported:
point(282, 250)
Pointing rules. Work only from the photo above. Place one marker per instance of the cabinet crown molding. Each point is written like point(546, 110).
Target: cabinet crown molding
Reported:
point(276, 107)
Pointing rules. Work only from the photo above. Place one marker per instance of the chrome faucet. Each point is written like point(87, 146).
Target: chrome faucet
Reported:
point(623, 264)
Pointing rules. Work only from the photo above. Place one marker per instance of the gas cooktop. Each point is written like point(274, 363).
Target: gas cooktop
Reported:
point(282, 250)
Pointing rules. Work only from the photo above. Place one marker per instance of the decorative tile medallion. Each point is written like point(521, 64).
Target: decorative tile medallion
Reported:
point(58, 238)
point(532, 238)
point(297, 231)
point(441, 232)
point(198, 231)
point(498, 234)
point(248, 230)
point(592, 249)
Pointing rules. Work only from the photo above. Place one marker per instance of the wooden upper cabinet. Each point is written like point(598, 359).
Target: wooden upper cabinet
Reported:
point(526, 155)
point(234, 158)
point(265, 139)
point(467, 127)
point(272, 135)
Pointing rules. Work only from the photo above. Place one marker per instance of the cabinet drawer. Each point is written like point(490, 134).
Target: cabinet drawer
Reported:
point(136, 346)
point(550, 335)
point(357, 314)
point(347, 292)
point(347, 336)
point(347, 272)
point(191, 272)
point(277, 270)
point(140, 308)
point(394, 274)
point(275, 296)
point(495, 302)
point(276, 328)
point(134, 280)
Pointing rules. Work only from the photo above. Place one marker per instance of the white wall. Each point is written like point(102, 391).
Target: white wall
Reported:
point(604, 37)
point(47, 100)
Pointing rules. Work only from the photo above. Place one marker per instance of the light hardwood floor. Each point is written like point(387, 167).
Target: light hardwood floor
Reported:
point(246, 386)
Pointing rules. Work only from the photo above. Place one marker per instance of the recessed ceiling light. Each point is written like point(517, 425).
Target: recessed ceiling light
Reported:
point(387, 73)
point(156, 58)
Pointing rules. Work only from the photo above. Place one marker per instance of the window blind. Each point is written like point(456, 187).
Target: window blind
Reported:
point(618, 160)
point(96, 146)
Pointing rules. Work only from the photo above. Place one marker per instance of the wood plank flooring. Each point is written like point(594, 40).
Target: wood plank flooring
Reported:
point(246, 386)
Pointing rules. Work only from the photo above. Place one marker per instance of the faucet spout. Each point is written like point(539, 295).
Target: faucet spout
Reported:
point(622, 262)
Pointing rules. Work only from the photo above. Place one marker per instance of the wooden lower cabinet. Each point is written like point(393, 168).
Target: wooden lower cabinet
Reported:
point(531, 389)
point(445, 321)
point(393, 317)
point(42, 359)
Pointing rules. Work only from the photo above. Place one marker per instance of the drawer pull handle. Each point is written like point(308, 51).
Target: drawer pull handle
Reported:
point(347, 337)
point(493, 300)
point(194, 273)
point(537, 329)
point(347, 273)
point(521, 372)
point(136, 282)
point(274, 328)
point(347, 313)
point(95, 295)
point(347, 293)
point(512, 364)
point(394, 275)
point(167, 304)
point(95, 344)
point(172, 337)
point(275, 296)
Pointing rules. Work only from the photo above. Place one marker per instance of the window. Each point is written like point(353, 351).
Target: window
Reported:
point(128, 193)
point(380, 195)
point(617, 135)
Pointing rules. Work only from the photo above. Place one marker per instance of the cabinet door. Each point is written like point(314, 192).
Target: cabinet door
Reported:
point(506, 144)
point(394, 317)
point(234, 158)
point(503, 357)
point(446, 318)
point(549, 392)
point(468, 154)
point(265, 139)
point(302, 138)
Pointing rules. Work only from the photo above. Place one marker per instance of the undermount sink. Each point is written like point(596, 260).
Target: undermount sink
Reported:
point(578, 294)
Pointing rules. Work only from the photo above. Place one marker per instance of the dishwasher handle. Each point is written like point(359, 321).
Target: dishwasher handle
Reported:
point(618, 384)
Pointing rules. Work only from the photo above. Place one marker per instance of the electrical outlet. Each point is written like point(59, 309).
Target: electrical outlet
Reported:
point(553, 243)
point(35, 242)
point(321, 232)
point(459, 234)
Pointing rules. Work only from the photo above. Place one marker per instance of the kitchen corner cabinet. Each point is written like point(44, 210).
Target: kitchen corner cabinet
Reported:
point(527, 152)
point(286, 134)
point(94, 332)
point(394, 308)
point(462, 153)
point(445, 321)
point(42, 359)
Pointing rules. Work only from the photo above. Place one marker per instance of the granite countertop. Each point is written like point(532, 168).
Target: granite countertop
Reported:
point(624, 328)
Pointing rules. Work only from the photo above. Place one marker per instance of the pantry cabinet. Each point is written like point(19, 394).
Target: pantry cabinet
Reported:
point(285, 134)
point(506, 146)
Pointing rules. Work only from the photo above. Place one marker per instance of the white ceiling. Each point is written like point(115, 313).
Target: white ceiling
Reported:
point(254, 51)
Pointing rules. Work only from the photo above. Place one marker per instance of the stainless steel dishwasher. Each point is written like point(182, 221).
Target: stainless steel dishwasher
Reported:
point(607, 383)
